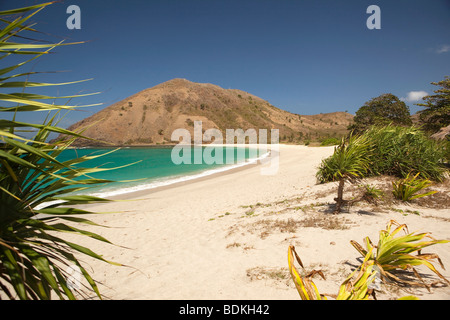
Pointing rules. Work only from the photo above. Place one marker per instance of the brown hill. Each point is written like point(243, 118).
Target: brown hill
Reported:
point(150, 116)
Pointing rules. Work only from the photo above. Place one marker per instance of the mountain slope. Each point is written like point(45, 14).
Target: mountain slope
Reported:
point(150, 116)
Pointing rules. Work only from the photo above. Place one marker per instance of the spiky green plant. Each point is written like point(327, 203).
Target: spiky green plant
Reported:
point(395, 252)
point(407, 189)
point(399, 151)
point(349, 162)
point(354, 287)
point(379, 261)
point(36, 189)
point(371, 194)
point(305, 286)
point(357, 285)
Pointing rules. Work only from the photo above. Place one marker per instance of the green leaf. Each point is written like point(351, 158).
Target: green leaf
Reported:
point(42, 264)
point(28, 84)
point(31, 175)
point(14, 272)
point(25, 9)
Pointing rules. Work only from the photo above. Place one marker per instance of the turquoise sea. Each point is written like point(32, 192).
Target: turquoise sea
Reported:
point(153, 167)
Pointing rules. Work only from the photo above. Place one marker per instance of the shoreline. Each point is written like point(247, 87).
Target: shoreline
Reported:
point(158, 184)
point(174, 181)
point(185, 179)
point(171, 145)
point(142, 193)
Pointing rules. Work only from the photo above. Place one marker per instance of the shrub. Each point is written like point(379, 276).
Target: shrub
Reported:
point(330, 142)
point(392, 253)
point(354, 287)
point(189, 122)
point(372, 194)
point(447, 149)
point(399, 151)
point(349, 162)
point(407, 189)
point(395, 252)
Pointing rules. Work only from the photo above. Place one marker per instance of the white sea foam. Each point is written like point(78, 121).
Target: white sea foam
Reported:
point(109, 192)
point(172, 180)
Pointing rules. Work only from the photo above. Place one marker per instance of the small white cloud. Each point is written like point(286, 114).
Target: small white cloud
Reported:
point(443, 49)
point(414, 96)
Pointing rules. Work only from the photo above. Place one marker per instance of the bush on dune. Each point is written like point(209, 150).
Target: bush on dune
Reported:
point(389, 150)
point(349, 162)
point(399, 151)
point(396, 151)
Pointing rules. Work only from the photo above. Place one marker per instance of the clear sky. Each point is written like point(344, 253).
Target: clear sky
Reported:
point(304, 56)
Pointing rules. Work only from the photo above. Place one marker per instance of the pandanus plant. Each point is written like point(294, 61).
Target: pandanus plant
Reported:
point(408, 189)
point(379, 262)
point(349, 162)
point(355, 287)
point(394, 252)
point(36, 189)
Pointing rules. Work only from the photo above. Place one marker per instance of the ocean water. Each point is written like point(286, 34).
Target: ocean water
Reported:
point(149, 167)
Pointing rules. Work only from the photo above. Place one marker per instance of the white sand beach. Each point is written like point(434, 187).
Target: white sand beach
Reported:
point(226, 236)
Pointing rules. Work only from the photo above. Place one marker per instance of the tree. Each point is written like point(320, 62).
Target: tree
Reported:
point(436, 114)
point(381, 110)
point(349, 162)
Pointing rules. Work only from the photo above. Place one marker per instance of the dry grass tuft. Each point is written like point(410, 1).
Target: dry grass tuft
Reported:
point(265, 227)
point(280, 276)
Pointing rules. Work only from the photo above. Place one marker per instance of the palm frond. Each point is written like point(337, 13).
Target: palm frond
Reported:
point(36, 188)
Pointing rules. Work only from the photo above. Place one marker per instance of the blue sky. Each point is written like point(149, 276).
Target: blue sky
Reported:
point(304, 56)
